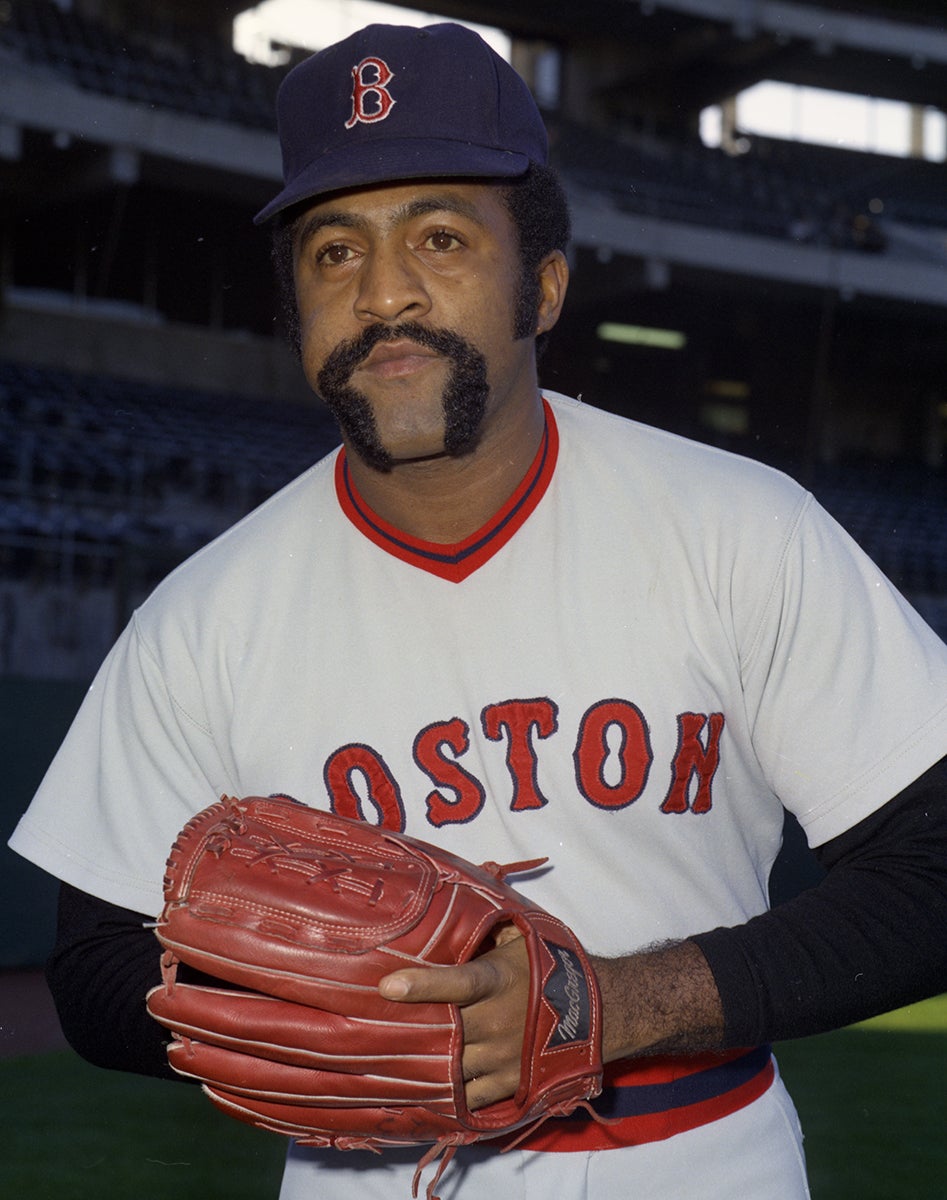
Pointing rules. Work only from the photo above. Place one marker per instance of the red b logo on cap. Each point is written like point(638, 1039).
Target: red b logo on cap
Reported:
point(380, 100)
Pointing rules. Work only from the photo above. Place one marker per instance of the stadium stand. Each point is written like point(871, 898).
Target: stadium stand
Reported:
point(776, 189)
point(682, 182)
point(898, 514)
point(194, 75)
point(106, 484)
point(103, 443)
point(107, 479)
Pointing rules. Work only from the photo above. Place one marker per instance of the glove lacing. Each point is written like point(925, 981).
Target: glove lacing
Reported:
point(446, 1147)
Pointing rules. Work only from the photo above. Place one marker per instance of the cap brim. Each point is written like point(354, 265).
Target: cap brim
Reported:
point(391, 160)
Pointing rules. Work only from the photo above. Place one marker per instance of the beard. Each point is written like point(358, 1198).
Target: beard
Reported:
point(464, 398)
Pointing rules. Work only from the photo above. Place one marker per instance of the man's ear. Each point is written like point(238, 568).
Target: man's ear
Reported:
point(553, 276)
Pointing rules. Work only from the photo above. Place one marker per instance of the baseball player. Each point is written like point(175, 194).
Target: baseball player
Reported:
point(518, 627)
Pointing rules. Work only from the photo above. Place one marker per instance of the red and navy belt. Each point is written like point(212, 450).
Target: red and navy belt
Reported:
point(651, 1099)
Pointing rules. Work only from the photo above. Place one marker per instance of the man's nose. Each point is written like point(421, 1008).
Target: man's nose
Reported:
point(391, 286)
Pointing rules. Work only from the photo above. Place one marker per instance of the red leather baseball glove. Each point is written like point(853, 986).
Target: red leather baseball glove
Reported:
point(303, 913)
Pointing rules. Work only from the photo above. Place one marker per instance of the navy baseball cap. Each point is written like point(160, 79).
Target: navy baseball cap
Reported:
point(394, 102)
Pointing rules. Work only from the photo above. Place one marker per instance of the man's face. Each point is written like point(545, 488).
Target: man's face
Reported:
point(406, 299)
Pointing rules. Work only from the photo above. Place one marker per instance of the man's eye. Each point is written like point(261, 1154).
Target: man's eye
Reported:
point(334, 254)
point(442, 240)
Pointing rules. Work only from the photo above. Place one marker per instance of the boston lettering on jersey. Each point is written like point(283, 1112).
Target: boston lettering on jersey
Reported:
point(612, 757)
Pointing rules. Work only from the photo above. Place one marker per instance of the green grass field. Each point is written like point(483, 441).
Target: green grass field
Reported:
point(873, 1101)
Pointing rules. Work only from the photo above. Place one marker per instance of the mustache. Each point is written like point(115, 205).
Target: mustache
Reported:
point(343, 360)
point(464, 396)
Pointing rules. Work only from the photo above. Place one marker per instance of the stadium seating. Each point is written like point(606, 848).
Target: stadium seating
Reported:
point(91, 466)
point(88, 464)
point(195, 76)
point(777, 190)
point(94, 469)
point(898, 514)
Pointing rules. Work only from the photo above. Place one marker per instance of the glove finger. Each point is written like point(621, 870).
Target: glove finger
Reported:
point(364, 1128)
point(249, 1076)
point(281, 1031)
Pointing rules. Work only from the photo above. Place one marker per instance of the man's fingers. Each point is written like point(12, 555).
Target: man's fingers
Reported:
point(463, 984)
point(491, 992)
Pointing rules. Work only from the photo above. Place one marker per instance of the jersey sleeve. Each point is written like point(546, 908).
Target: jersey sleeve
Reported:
point(138, 761)
point(868, 938)
point(845, 684)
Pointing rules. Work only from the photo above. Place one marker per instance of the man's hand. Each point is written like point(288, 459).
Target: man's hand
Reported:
point(662, 1001)
point(491, 992)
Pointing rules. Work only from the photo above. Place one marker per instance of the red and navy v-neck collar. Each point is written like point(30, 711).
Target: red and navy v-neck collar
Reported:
point(455, 562)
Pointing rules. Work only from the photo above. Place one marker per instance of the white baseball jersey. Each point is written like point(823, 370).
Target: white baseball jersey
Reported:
point(648, 652)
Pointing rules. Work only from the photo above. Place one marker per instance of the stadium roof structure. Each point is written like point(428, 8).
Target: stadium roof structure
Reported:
point(694, 52)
